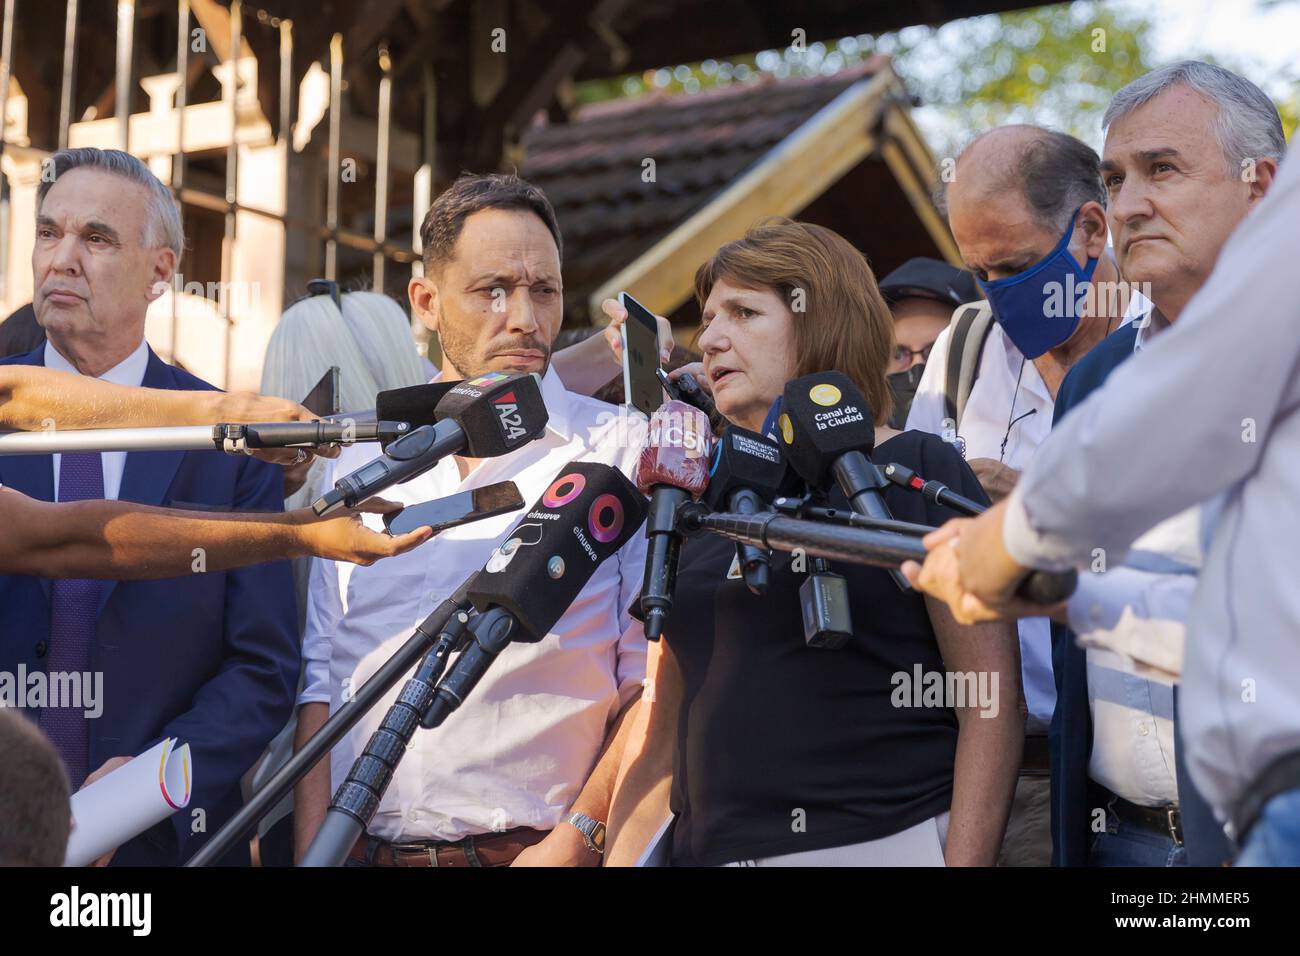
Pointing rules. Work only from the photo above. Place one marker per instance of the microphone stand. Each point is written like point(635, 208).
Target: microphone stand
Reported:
point(358, 797)
point(233, 439)
point(426, 701)
point(419, 644)
point(802, 508)
point(839, 542)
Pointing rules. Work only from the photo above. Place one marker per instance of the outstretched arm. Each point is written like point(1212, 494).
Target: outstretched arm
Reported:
point(122, 540)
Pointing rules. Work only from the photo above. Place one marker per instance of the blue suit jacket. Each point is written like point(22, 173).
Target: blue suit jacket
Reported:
point(209, 658)
point(1070, 735)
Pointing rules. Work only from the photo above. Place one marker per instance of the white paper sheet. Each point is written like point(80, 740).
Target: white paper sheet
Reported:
point(123, 804)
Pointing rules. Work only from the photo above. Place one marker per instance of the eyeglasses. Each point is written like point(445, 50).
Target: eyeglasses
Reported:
point(903, 357)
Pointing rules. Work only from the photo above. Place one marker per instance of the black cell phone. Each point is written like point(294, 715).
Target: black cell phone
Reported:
point(323, 399)
point(641, 388)
point(453, 510)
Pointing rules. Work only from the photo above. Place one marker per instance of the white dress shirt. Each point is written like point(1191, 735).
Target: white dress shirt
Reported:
point(996, 400)
point(129, 371)
point(1209, 412)
point(521, 747)
point(1145, 599)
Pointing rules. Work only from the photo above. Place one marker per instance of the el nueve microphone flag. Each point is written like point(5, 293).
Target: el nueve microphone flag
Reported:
point(589, 511)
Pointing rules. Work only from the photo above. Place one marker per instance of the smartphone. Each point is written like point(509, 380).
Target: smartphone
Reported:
point(460, 508)
point(323, 399)
point(641, 387)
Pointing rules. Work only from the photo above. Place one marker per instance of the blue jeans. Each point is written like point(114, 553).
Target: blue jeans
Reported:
point(1274, 840)
point(1123, 844)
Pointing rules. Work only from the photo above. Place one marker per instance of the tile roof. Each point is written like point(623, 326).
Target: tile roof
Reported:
point(592, 167)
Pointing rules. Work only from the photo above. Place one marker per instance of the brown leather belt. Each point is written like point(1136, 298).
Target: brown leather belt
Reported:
point(1166, 821)
point(482, 849)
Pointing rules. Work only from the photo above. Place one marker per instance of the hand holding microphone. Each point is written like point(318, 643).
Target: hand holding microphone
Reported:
point(969, 569)
point(672, 469)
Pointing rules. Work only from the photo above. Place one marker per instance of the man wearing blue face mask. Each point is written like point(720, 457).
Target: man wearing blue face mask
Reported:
point(1027, 208)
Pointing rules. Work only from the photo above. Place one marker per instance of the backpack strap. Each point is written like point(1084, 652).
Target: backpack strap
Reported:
point(970, 328)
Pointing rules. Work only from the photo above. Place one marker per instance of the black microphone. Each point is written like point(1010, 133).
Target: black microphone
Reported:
point(935, 492)
point(307, 434)
point(748, 471)
point(686, 389)
point(673, 468)
point(588, 513)
point(483, 417)
point(415, 404)
point(828, 432)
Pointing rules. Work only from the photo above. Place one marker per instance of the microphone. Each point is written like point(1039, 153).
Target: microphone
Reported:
point(672, 469)
point(935, 492)
point(483, 417)
point(414, 404)
point(589, 511)
point(747, 472)
point(687, 390)
point(231, 438)
point(828, 432)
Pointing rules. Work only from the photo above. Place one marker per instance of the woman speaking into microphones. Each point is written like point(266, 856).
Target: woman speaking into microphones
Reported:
point(896, 744)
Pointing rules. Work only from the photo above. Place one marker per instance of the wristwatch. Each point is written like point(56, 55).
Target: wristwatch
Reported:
point(593, 831)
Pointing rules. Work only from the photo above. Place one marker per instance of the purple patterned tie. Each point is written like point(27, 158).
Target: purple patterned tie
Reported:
point(74, 610)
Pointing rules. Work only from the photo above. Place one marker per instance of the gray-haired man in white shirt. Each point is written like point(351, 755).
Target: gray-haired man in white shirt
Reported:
point(523, 771)
point(1210, 412)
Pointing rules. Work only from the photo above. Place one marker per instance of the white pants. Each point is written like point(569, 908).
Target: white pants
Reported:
point(919, 845)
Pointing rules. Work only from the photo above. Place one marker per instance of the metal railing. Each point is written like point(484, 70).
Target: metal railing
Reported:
point(330, 233)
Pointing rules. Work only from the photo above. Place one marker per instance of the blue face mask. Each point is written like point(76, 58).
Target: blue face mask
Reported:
point(1039, 308)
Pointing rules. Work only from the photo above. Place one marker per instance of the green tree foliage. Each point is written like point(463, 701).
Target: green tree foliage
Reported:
point(1055, 65)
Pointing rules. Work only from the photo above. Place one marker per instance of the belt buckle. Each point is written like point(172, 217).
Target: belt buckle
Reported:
point(422, 847)
point(1174, 821)
point(419, 847)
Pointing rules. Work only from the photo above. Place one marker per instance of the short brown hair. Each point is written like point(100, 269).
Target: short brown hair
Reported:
point(34, 793)
point(470, 194)
point(841, 319)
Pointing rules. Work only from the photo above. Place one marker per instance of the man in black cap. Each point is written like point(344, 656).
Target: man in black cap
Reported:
point(922, 294)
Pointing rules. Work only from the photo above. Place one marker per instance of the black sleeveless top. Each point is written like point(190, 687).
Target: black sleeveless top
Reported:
point(782, 747)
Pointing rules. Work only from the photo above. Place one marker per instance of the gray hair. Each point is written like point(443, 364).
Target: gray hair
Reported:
point(164, 224)
point(1054, 172)
point(1248, 125)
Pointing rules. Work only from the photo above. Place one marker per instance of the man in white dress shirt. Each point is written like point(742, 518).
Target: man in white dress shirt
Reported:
point(522, 772)
point(1208, 413)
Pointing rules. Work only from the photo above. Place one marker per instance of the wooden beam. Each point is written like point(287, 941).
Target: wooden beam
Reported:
point(555, 54)
point(912, 164)
point(207, 127)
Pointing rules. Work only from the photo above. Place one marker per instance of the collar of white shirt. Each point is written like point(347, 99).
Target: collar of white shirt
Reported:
point(129, 371)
